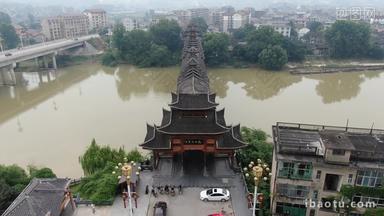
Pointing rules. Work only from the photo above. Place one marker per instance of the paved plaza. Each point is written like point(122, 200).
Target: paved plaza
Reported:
point(187, 203)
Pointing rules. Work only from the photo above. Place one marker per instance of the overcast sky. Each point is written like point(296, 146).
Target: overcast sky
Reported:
point(172, 4)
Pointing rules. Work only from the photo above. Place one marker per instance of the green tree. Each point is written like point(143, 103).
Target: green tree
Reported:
point(97, 157)
point(5, 18)
point(242, 33)
point(98, 163)
point(296, 49)
point(294, 34)
point(260, 39)
point(8, 34)
point(7, 195)
point(376, 52)
point(137, 47)
point(13, 175)
point(257, 148)
point(200, 23)
point(118, 39)
point(273, 58)
point(167, 33)
point(109, 59)
point(216, 48)
point(160, 56)
point(45, 172)
point(348, 39)
point(315, 26)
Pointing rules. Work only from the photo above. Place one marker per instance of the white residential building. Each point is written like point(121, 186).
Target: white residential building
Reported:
point(97, 18)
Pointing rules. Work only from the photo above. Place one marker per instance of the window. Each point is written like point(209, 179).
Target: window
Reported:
point(369, 178)
point(298, 170)
point(315, 195)
point(318, 174)
point(358, 198)
point(293, 191)
point(338, 152)
point(350, 177)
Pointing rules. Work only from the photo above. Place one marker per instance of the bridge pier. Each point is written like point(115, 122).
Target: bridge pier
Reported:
point(54, 61)
point(10, 71)
point(45, 62)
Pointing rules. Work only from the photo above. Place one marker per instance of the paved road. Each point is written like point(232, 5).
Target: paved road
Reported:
point(189, 204)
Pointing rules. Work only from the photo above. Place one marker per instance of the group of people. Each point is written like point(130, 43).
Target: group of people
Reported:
point(166, 189)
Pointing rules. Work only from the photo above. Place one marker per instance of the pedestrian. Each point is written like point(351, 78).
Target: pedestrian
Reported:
point(146, 189)
point(173, 191)
point(180, 189)
point(166, 188)
point(93, 208)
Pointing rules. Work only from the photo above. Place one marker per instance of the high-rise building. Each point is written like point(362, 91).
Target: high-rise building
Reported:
point(200, 12)
point(65, 26)
point(97, 18)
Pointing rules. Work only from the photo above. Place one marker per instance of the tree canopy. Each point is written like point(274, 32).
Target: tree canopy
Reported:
point(348, 39)
point(273, 58)
point(167, 33)
point(160, 46)
point(8, 36)
point(98, 163)
point(5, 18)
point(216, 48)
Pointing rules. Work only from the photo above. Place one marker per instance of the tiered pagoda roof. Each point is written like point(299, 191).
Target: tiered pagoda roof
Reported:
point(193, 95)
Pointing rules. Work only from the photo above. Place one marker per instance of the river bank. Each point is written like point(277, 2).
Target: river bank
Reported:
point(334, 66)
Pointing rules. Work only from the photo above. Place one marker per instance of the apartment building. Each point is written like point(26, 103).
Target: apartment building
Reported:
point(313, 162)
point(52, 28)
point(131, 23)
point(97, 18)
point(65, 26)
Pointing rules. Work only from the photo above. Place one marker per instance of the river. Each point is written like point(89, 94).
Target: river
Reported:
point(49, 118)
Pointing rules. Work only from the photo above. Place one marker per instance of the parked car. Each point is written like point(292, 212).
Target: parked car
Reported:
point(8, 54)
point(215, 194)
point(216, 214)
point(160, 209)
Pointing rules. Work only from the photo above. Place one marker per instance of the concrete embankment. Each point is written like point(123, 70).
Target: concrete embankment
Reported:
point(332, 67)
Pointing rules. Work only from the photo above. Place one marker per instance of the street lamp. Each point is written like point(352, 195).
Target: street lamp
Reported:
point(259, 171)
point(126, 170)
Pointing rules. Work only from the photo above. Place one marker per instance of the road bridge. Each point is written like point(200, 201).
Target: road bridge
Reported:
point(48, 50)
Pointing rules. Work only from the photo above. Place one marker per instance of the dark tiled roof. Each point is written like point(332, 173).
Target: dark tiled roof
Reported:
point(193, 102)
point(157, 141)
point(166, 117)
point(40, 197)
point(231, 140)
point(220, 117)
point(193, 78)
point(194, 126)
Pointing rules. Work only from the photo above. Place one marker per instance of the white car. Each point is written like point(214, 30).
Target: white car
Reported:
point(215, 194)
